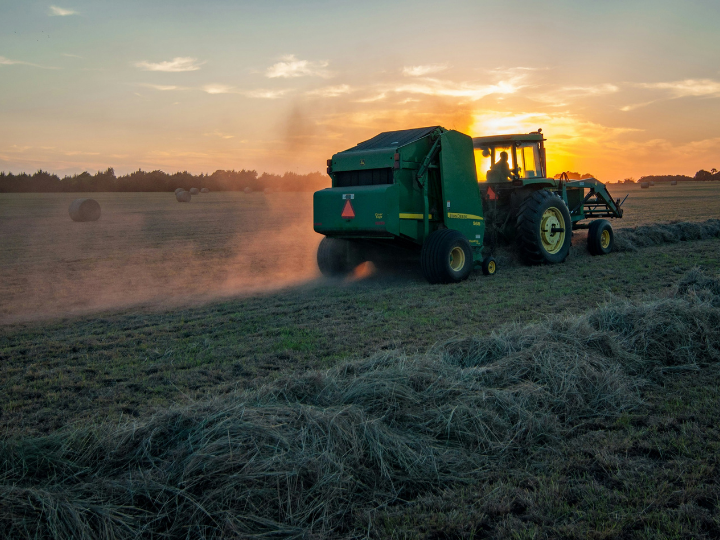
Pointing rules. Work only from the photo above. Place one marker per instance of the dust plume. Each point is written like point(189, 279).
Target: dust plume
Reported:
point(149, 250)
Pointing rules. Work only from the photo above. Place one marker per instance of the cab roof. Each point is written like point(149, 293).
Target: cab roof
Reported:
point(494, 139)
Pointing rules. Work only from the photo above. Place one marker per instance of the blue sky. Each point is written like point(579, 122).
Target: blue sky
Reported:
point(620, 88)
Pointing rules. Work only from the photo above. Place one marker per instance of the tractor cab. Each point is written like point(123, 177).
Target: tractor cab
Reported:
point(525, 156)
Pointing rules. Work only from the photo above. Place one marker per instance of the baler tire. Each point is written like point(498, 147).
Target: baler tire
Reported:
point(489, 266)
point(529, 223)
point(336, 257)
point(437, 255)
point(600, 237)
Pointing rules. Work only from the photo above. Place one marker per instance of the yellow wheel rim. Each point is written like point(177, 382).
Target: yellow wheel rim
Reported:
point(457, 259)
point(552, 239)
point(491, 267)
point(605, 239)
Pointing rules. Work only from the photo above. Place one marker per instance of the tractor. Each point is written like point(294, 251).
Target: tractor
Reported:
point(451, 199)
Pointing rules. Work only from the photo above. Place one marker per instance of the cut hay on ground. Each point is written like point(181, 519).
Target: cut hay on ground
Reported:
point(183, 196)
point(84, 210)
point(318, 453)
point(665, 233)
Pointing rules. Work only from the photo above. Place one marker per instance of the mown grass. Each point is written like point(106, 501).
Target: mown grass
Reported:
point(128, 363)
point(534, 430)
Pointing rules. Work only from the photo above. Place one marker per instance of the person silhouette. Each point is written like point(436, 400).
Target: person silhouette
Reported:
point(500, 171)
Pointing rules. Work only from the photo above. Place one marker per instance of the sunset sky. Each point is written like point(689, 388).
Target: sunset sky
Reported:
point(620, 87)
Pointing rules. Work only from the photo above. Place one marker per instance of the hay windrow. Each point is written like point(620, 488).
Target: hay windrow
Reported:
point(309, 453)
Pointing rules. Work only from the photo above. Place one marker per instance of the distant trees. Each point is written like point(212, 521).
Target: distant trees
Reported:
point(704, 176)
point(666, 178)
point(43, 182)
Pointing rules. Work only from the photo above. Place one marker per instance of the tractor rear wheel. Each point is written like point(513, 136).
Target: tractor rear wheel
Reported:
point(544, 228)
point(446, 257)
point(600, 237)
point(336, 257)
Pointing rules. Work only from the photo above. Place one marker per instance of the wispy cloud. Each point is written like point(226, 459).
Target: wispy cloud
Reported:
point(219, 134)
point(473, 92)
point(598, 90)
point(688, 87)
point(290, 67)
point(219, 89)
point(372, 99)
point(56, 11)
point(7, 62)
point(420, 71)
point(71, 55)
point(331, 91)
point(175, 65)
point(162, 87)
point(265, 94)
point(260, 93)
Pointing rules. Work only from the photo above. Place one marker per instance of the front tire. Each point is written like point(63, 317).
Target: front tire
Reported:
point(544, 228)
point(600, 237)
point(446, 257)
point(336, 257)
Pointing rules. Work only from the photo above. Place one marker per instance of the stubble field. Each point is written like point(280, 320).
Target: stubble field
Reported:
point(161, 304)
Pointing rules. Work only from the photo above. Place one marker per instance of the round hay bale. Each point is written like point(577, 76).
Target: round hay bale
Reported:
point(644, 185)
point(652, 183)
point(673, 182)
point(183, 196)
point(248, 190)
point(84, 210)
point(194, 191)
point(204, 190)
point(178, 190)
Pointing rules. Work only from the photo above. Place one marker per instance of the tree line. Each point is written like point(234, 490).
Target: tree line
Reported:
point(45, 182)
point(702, 175)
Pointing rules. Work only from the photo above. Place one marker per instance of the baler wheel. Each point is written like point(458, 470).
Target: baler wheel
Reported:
point(446, 257)
point(600, 237)
point(336, 257)
point(489, 266)
point(544, 228)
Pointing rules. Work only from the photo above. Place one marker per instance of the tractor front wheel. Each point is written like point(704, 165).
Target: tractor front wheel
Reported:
point(600, 237)
point(336, 257)
point(446, 257)
point(544, 228)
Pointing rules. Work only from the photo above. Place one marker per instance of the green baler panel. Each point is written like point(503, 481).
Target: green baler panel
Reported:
point(461, 197)
point(375, 208)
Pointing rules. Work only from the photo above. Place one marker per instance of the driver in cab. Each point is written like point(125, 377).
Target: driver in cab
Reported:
point(500, 171)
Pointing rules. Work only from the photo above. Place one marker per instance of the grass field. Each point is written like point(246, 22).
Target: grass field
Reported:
point(226, 298)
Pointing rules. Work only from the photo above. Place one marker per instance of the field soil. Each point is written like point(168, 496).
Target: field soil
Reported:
point(162, 307)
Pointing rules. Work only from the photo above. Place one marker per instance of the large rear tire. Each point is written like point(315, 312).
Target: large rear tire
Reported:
point(544, 228)
point(600, 237)
point(446, 257)
point(337, 257)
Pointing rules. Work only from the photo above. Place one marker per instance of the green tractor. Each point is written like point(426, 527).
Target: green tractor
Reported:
point(417, 191)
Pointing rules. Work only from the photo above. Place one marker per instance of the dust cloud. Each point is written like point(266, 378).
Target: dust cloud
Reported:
point(148, 250)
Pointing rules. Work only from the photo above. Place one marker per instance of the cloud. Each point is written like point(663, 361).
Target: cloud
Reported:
point(688, 87)
point(331, 91)
point(290, 67)
point(599, 90)
point(161, 87)
point(420, 71)
point(7, 62)
point(265, 94)
point(219, 89)
point(218, 134)
point(372, 99)
point(473, 92)
point(259, 94)
point(175, 65)
point(60, 12)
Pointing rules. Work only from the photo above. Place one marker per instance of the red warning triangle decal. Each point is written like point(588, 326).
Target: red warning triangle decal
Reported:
point(491, 194)
point(348, 212)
